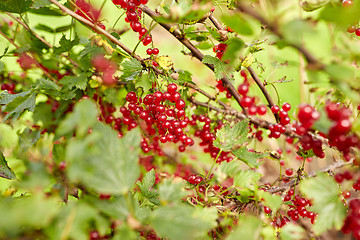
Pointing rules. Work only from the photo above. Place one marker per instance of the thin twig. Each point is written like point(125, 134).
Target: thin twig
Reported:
point(310, 175)
point(273, 27)
point(230, 111)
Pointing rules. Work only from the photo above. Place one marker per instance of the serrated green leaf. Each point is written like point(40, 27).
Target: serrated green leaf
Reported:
point(103, 162)
point(83, 217)
point(305, 153)
point(292, 231)
point(131, 69)
point(45, 84)
point(182, 222)
point(272, 201)
point(229, 137)
point(247, 180)
point(40, 3)
point(233, 50)
point(81, 119)
point(144, 81)
point(66, 44)
point(5, 171)
point(27, 139)
point(40, 211)
point(219, 66)
point(146, 187)
point(91, 50)
point(249, 158)
point(116, 207)
point(80, 81)
point(184, 76)
point(18, 104)
point(237, 23)
point(58, 152)
point(15, 6)
point(171, 191)
point(248, 228)
point(325, 194)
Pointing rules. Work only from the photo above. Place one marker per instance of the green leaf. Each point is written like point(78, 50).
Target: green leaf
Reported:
point(116, 207)
point(171, 191)
point(247, 180)
point(249, 158)
point(182, 222)
point(305, 153)
point(131, 69)
point(344, 16)
point(5, 171)
point(229, 137)
point(103, 162)
point(147, 187)
point(219, 66)
point(83, 218)
point(292, 231)
point(8, 136)
point(144, 81)
point(40, 211)
point(66, 44)
point(81, 119)
point(184, 76)
point(80, 81)
point(42, 9)
point(227, 169)
point(234, 47)
point(272, 201)
point(27, 139)
point(311, 5)
point(237, 23)
point(326, 202)
point(15, 6)
point(41, 3)
point(17, 104)
point(248, 228)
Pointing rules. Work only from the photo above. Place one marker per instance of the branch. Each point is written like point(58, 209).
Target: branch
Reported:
point(296, 181)
point(230, 111)
point(273, 27)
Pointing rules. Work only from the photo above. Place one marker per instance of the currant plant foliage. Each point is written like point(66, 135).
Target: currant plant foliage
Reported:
point(137, 119)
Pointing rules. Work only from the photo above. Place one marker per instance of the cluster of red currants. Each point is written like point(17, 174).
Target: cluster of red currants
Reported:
point(341, 126)
point(220, 50)
point(106, 67)
point(298, 207)
point(352, 221)
point(207, 136)
point(162, 113)
point(10, 87)
point(133, 16)
point(278, 128)
point(87, 11)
